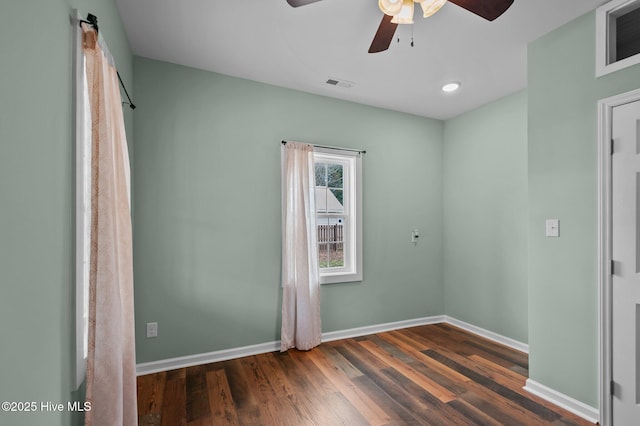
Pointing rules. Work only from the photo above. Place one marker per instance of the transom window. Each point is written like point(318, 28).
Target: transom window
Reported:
point(617, 36)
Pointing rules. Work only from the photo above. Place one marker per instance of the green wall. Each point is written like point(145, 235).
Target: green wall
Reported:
point(485, 217)
point(207, 209)
point(563, 294)
point(37, 197)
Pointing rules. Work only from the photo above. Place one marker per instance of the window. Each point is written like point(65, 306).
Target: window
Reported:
point(83, 202)
point(339, 215)
point(618, 35)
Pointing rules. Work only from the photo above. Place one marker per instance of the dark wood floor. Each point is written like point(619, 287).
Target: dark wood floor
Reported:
point(435, 375)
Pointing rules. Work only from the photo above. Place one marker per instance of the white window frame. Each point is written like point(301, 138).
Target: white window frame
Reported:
point(83, 201)
point(605, 36)
point(352, 178)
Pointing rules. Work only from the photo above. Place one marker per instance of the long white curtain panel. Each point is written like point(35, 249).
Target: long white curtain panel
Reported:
point(301, 326)
point(111, 375)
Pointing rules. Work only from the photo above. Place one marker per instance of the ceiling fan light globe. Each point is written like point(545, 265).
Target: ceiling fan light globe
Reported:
point(429, 7)
point(390, 7)
point(406, 13)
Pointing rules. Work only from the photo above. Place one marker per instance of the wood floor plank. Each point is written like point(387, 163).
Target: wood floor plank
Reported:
point(498, 350)
point(478, 417)
point(498, 373)
point(256, 379)
point(339, 361)
point(202, 421)
point(415, 350)
point(498, 412)
point(403, 342)
point(429, 385)
point(150, 390)
point(498, 358)
point(221, 405)
point(174, 406)
point(178, 373)
point(399, 414)
point(424, 406)
point(427, 375)
point(197, 400)
point(428, 406)
point(361, 401)
point(295, 375)
point(273, 409)
point(276, 377)
point(499, 389)
point(247, 406)
point(324, 386)
point(387, 385)
point(452, 385)
point(309, 401)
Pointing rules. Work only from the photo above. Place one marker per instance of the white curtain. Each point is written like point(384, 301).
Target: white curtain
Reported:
point(111, 375)
point(300, 273)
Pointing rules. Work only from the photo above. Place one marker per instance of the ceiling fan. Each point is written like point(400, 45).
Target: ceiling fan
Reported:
point(401, 12)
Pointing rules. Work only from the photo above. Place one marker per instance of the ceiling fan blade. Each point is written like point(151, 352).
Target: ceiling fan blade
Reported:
point(384, 35)
point(487, 9)
point(298, 3)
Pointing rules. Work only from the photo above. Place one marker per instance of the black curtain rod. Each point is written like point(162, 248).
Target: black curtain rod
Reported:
point(93, 21)
point(359, 151)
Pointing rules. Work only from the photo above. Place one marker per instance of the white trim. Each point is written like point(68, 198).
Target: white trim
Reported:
point(603, 33)
point(82, 140)
point(490, 335)
point(380, 328)
point(578, 408)
point(205, 358)
point(605, 116)
point(226, 354)
point(353, 245)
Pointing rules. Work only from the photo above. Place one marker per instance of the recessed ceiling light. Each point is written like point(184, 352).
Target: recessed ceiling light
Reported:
point(451, 87)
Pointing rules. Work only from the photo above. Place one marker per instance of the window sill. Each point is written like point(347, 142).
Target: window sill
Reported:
point(340, 278)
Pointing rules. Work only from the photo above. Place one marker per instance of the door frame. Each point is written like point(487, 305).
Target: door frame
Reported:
point(605, 344)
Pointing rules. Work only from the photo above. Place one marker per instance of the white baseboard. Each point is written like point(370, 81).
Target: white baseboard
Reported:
point(514, 344)
point(206, 358)
point(224, 355)
point(578, 408)
point(380, 328)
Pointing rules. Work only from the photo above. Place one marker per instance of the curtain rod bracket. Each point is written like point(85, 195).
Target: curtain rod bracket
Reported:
point(93, 21)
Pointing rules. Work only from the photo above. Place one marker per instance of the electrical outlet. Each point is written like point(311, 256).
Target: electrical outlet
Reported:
point(552, 228)
point(152, 329)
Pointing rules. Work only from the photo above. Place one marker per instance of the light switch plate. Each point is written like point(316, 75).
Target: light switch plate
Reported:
point(552, 228)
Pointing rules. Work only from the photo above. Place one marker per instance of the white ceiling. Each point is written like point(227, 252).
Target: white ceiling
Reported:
point(300, 48)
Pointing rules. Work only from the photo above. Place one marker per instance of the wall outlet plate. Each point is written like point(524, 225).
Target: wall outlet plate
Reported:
point(152, 329)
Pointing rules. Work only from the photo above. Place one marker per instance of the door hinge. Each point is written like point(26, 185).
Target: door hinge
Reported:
point(612, 388)
point(612, 267)
point(611, 148)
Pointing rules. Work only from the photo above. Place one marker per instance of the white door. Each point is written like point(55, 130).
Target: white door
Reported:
point(625, 194)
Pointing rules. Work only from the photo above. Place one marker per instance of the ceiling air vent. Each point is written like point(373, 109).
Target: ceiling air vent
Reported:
point(340, 83)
